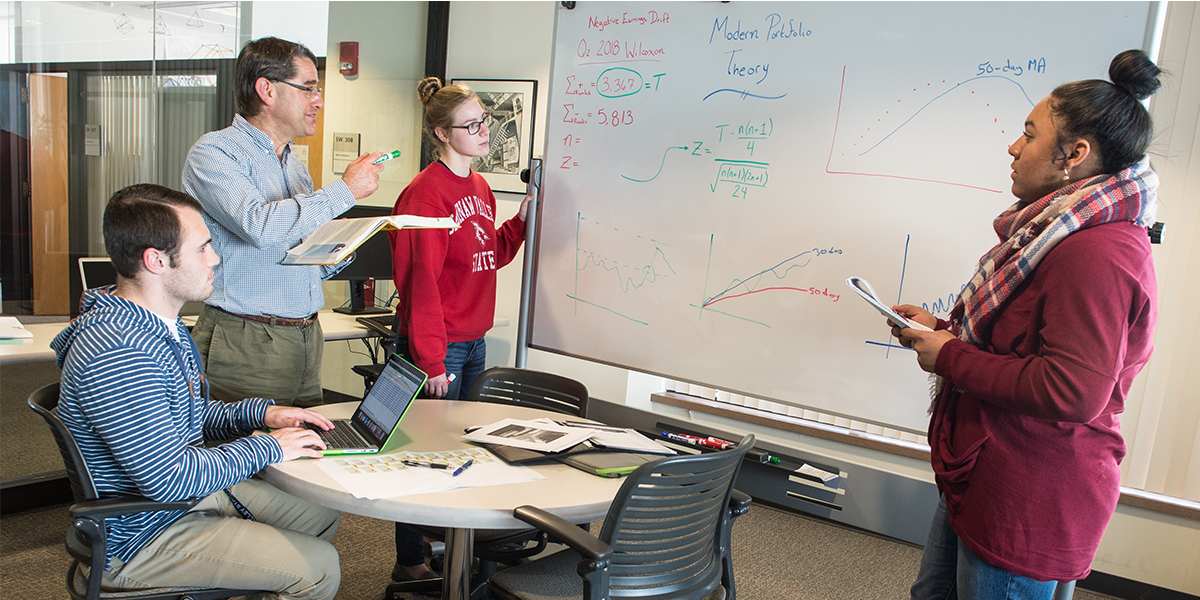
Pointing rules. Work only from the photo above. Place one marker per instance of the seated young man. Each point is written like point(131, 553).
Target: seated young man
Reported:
point(134, 396)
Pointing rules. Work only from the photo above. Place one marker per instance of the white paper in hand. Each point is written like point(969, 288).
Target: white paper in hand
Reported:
point(864, 289)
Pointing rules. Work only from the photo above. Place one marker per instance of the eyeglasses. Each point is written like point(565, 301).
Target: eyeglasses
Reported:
point(474, 126)
point(312, 90)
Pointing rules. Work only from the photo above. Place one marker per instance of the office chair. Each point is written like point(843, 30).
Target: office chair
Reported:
point(87, 536)
point(535, 389)
point(519, 387)
point(666, 536)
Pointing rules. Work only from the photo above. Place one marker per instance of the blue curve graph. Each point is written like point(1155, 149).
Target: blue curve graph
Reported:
point(743, 93)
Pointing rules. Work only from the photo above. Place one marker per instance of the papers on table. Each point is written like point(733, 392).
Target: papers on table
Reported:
point(548, 435)
point(615, 437)
point(12, 329)
point(530, 435)
point(386, 475)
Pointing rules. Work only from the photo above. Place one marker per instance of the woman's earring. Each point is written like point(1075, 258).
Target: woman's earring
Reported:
point(1066, 175)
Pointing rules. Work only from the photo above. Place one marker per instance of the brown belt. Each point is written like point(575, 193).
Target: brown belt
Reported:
point(274, 320)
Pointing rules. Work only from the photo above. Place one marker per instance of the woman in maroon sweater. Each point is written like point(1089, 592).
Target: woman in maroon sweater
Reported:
point(446, 279)
point(1034, 365)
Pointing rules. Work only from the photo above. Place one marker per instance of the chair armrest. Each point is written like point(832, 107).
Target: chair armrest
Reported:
point(124, 505)
point(586, 544)
point(739, 503)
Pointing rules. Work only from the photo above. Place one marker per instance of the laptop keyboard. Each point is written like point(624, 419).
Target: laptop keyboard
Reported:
point(343, 435)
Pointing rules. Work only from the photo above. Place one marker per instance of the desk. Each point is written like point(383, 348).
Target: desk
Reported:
point(336, 326)
point(432, 425)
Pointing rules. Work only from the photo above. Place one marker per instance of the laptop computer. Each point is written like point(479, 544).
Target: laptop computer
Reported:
point(378, 416)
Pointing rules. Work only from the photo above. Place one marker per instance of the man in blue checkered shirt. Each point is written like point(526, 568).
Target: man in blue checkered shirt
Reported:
point(258, 333)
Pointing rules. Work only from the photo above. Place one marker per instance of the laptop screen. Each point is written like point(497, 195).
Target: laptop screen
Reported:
point(389, 398)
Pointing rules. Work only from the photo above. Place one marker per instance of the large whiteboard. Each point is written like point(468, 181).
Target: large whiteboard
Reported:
point(714, 172)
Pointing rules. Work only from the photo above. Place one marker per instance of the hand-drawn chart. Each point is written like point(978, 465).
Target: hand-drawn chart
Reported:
point(716, 171)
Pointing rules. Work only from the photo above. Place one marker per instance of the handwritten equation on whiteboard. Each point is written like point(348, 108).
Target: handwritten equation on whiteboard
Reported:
point(620, 61)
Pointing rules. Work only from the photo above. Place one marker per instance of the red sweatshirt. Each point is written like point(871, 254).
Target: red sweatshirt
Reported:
point(446, 279)
point(1025, 439)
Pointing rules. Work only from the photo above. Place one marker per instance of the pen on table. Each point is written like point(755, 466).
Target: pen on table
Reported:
point(387, 157)
point(464, 467)
point(427, 465)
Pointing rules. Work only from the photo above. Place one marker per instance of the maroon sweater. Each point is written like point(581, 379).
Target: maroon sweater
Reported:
point(1025, 438)
point(446, 279)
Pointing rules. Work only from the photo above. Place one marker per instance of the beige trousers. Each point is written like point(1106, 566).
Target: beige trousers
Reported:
point(247, 359)
point(285, 550)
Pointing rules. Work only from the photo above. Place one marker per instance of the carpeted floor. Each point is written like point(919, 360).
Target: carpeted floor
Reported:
point(777, 556)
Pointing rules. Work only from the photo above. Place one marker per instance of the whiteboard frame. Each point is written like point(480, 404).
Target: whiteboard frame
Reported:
point(1152, 41)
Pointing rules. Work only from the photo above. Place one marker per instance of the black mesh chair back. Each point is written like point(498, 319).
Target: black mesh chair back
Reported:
point(43, 401)
point(535, 389)
point(667, 526)
point(87, 538)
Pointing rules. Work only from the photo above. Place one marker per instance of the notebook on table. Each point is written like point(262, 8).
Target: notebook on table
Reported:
point(378, 416)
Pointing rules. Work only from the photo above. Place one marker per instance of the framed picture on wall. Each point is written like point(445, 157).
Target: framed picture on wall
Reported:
point(511, 103)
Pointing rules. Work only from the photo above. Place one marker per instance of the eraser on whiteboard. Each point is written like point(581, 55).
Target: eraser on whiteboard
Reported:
point(755, 455)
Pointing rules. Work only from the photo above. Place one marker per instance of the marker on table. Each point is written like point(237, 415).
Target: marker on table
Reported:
point(427, 465)
point(464, 467)
point(387, 157)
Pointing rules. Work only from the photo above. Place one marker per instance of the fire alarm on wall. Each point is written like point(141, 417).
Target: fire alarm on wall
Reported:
point(348, 59)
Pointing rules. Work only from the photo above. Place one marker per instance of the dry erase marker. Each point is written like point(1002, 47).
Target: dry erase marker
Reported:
point(387, 157)
point(450, 378)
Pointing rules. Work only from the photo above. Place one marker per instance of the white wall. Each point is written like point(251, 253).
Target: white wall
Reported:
point(380, 104)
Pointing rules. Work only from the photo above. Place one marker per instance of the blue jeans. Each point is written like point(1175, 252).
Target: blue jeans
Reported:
point(466, 360)
point(949, 570)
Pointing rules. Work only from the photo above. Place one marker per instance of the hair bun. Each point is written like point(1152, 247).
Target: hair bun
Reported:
point(427, 87)
point(1135, 73)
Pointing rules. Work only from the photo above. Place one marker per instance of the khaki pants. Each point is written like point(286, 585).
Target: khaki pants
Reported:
point(246, 359)
point(285, 550)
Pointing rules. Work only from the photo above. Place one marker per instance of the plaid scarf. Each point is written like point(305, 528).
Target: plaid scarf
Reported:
point(1029, 233)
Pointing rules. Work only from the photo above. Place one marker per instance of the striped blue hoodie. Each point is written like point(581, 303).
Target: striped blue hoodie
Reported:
point(132, 397)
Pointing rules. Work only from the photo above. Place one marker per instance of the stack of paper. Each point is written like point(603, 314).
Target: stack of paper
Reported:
point(12, 329)
point(548, 435)
point(386, 475)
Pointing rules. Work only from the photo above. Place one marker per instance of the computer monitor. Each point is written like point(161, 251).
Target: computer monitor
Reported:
point(98, 271)
point(372, 260)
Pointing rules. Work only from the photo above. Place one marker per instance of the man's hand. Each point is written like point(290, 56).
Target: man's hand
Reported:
point(297, 443)
point(927, 343)
point(279, 417)
point(361, 176)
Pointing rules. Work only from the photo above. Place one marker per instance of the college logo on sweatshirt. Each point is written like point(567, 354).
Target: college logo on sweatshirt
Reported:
point(472, 206)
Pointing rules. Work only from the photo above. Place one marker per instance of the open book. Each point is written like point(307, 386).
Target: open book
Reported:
point(332, 242)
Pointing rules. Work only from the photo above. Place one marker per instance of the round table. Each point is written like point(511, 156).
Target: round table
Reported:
point(432, 425)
